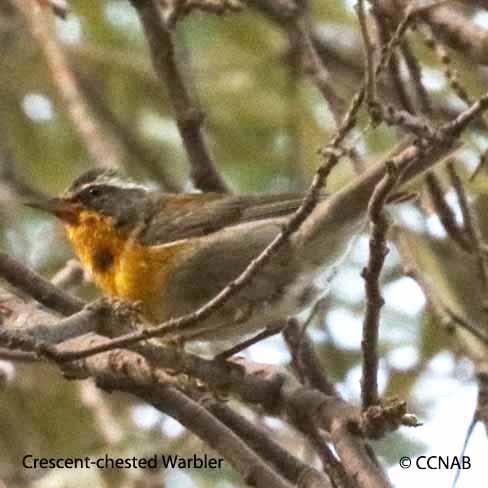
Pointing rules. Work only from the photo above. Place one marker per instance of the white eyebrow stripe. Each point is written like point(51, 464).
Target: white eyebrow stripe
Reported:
point(116, 182)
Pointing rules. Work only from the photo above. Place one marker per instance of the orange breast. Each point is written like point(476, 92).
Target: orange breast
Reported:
point(120, 265)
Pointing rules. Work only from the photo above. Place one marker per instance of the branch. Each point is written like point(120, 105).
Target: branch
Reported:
point(189, 117)
point(143, 369)
point(371, 274)
point(413, 65)
point(357, 456)
point(445, 213)
point(370, 78)
point(451, 25)
point(210, 429)
point(294, 470)
point(26, 280)
point(304, 359)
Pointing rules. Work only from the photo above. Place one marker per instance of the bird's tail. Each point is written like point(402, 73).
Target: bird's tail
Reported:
point(325, 236)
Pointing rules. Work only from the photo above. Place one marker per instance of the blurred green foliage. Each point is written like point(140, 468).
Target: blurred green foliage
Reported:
point(265, 126)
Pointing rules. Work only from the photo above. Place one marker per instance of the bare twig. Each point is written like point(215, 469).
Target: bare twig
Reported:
point(371, 275)
point(90, 319)
point(456, 126)
point(394, 64)
point(481, 413)
point(189, 116)
point(370, 80)
point(450, 24)
point(361, 460)
point(385, 112)
point(445, 213)
point(270, 331)
point(316, 70)
point(330, 463)
point(305, 360)
point(272, 388)
point(424, 100)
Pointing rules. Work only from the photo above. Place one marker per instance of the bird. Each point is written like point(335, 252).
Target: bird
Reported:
point(173, 252)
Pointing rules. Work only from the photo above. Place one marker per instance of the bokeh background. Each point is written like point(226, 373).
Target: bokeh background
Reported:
point(265, 123)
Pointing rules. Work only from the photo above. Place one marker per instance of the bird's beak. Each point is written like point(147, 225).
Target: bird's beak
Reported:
point(62, 208)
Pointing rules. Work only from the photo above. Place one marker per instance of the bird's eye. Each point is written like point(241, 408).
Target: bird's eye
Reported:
point(95, 191)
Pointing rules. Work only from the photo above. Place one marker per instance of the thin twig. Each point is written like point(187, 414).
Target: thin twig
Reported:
point(415, 71)
point(386, 112)
point(370, 79)
point(371, 275)
point(452, 25)
point(457, 125)
point(330, 463)
point(445, 213)
point(304, 359)
point(394, 65)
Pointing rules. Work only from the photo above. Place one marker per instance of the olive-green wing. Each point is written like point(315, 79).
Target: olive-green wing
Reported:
point(194, 215)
